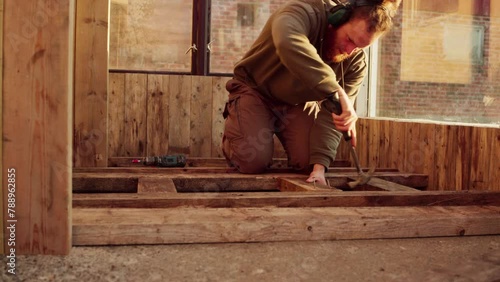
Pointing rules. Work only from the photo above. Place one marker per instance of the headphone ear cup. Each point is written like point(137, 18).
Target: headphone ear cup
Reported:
point(339, 15)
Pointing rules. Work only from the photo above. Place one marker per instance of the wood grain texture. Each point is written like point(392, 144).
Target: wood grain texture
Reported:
point(179, 113)
point(495, 159)
point(37, 115)
point(194, 225)
point(116, 114)
point(134, 120)
point(480, 159)
point(158, 121)
point(398, 145)
point(155, 185)
point(219, 99)
point(295, 199)
point(91, 84)
point(2, 218)
point(201, 117)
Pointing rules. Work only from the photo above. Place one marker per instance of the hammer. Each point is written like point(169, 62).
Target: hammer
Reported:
point(332, 104)
point(363, 178)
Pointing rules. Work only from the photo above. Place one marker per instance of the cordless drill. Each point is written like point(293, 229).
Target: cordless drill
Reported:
point(163, 161)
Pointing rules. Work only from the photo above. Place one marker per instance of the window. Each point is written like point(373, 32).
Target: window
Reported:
point(150, 35)
point(234, 25)
point(441, 64)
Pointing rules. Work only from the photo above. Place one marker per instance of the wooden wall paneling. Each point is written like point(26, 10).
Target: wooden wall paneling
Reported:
point(384, 144)
point(494, 136)
point(134, 121)
point(397, 148)
point(91, 83)
point(116, 114)
point(445, 168)
point(179, 113)
point(219, 98)
point(428, 146)
point(374, 142)
point(158, 108)
point(462, 157)
point(480, 159)
point(419, 151)
point(37, 123)
point(201, 117)
point(362, 143)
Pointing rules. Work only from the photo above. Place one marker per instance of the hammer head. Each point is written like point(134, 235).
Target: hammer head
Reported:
point(362, 179)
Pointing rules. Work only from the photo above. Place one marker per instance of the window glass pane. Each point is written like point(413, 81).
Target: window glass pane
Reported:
point(442, 62)
point(150, 35)
point(234, 27)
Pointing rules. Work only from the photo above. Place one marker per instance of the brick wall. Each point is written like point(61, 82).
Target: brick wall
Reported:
point(474, 96)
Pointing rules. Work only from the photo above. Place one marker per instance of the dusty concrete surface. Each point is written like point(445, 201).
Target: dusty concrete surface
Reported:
point(429, 259)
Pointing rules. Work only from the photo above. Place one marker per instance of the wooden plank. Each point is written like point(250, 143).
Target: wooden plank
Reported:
point(294, 185)
point(219, 98)
point(116, 114)
point(398, 145)
point(37, 129)
point(480, 159)
point(288, 199)
point(156, 185)
point(179, 90)
point(192, 225)
point(373, 129)
point(134, 121)
point(445, 168)
point(389, 186)
point(463, 157)
point(201, 117)
point(385, 144)
point(158, 121)
point(494, 159)
point(91, 83)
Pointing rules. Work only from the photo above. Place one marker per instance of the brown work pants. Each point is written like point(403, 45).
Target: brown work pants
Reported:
point(251, 122)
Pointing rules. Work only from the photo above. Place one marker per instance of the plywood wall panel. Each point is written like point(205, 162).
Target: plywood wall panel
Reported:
point(201, 116)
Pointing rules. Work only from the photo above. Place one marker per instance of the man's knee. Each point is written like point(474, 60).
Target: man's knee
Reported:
point(247, 160)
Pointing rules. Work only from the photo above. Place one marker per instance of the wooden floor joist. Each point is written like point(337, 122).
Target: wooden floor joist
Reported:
point(196, 204)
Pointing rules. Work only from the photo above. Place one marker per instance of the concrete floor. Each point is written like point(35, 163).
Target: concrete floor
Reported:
point(427, 259)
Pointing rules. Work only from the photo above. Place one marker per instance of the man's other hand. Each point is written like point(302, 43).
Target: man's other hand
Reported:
point(317, 175)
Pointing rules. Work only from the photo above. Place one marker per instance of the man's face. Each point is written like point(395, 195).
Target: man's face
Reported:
point(346, 40)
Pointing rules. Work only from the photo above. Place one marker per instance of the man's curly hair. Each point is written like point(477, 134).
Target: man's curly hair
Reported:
point(379, 15)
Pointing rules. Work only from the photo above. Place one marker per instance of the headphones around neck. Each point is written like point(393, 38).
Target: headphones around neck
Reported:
point(340, 14)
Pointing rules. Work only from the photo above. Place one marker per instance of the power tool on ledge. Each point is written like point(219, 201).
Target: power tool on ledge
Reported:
point(163, 161)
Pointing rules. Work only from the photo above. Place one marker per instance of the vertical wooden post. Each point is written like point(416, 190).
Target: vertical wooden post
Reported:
point(37, 125)
point(91, 83)
point(1, 129)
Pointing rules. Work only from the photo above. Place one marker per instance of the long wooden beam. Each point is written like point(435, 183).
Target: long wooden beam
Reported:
point(37, 125)
point(288, 199)
point(103, 226)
